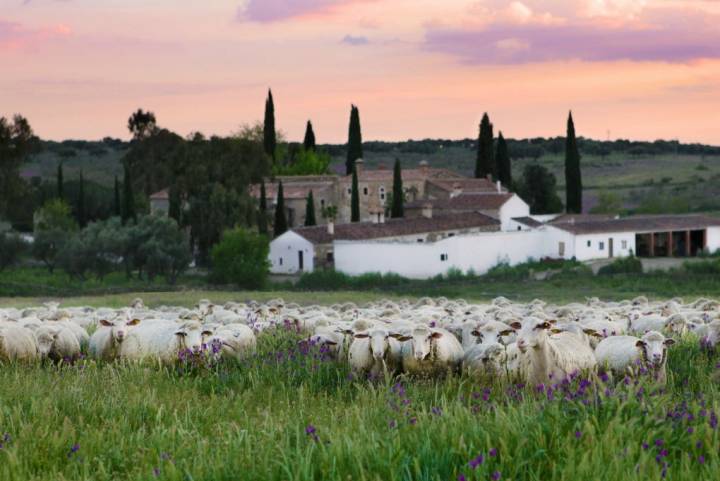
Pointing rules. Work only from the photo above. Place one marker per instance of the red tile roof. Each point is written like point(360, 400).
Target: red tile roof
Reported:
point(294, 188)
point(476, 202)
point(397, 227)
point(160, 195)
point(466, 185)
point(641, 224)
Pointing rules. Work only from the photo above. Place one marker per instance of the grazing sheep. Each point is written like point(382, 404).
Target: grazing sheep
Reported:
point(375, 352)
point(17, 344)
point(56, 342)
point(163, 341)
point(488, 360)
point(105, 342)
point(236, 341)
point(623, 353)
point(494, 331)
point(647, 323)
point(551, 358)
point(711, 335)
point(431, 351)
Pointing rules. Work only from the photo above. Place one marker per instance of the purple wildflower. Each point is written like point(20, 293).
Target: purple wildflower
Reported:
point(436, 411)
point(659, 442)
point(461, 477)
point(476, 461)
point(392, 424)
point(701, 459)
point(699, 445)
point(690, 430)
point(578, 434)
point(496, 476)
point(645, 446)
point(156, 471)
point(74, 449)
point(492, 453)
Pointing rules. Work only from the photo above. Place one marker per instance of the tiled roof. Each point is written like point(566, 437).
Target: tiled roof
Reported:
point(396, 227)
point(656, 223)
point(466, 185)
point(297, 188)
point(477, 202)
point(161, 195)
point(528, 221)
point(366, 175)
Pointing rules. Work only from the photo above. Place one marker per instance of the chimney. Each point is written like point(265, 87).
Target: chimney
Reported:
point(427, 210)
point(331, 227)
point(359, 166)
point(499, 187)
point(489, 177)
point(381, 217)
point(456, 190)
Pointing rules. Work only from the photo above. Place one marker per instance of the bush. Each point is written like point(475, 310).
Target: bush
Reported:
point(241, 258)
point(12, 247)
point(623, 265)
point(329, 280)
point(711, 266)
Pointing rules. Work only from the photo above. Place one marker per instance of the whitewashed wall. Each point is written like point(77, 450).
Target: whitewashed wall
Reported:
point(479, 252)
point(583, 252)
point(284, 257)
point(713, 238)
point(514, 207)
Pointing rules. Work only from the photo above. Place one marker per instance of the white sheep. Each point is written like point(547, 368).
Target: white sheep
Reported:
point(162, 341)
point(375, 352)
point(487, 360)
point(105, 342)
point(623, 353)
point(17, 344)
point(232, 341)
point(431, 351)
point(551, 359)
point(56, 342)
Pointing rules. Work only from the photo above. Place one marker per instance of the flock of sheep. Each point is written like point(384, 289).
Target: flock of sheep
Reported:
point(534, 342)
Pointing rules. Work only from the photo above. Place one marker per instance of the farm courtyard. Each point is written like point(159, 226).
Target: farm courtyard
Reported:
point(290, 412)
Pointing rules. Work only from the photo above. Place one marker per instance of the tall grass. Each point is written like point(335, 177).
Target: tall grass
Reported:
point(292, 414)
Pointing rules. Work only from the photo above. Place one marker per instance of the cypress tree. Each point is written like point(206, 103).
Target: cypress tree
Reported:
point(269, 135)
point(503, 162)
point(280, 220)
point(128, 198)
point(82, 220)
point(310, 210)
point(262, 212)
point(60, 187)
point(174, 209)
point(573, 177)
point(309, 142)
point(354, 141)
point(116, 199)
point(397, 209)
point(354, 198)
point(485, 163)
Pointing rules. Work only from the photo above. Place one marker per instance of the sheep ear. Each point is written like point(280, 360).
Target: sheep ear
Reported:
point(436, 335)
point(553, 321)
point(207, 333)
point(181, 333)
point(516, 325)
point(591, 332)
point(400, 337)
point(106, 323)
point(330, 343)
point(640, 343)
point(361, 335)
point(134, 322)
point(556, 331)
point(507, 332)
point(669, 342)
point(476, 333)
point(543, 325)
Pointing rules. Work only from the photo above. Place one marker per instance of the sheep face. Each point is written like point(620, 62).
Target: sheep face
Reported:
point(532, 335)
point(422, 340)
point(713, 334)
point(119, 329)
point(654, 348)
point(493, 358)
point(45, 339)
point(191, 338)
point(677, 325)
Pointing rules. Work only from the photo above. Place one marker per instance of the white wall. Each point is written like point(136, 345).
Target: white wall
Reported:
point(284, 258)
point(583, 252)
point(479, 252)
point(514, 207)
point(713, 238)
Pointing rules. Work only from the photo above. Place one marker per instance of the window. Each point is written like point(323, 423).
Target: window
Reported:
point(561, 249)
point(365, 191)
point(602, 246)
point(349, 190)
point(420, 240)
point(519, 227)
point(329, 257)
point(452, 234)
point(589, 243)
point(443, 257)
point(281, 261)
point(382, 193)
point(322, 203)
point(624, 244)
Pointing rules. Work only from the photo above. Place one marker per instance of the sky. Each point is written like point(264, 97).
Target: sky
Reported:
point(634, 69)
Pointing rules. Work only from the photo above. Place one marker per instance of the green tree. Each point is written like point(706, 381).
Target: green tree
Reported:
point(269, 135)
point(397, 208)
point(241, 258)
point(354, 198)
point(310, 210)
point(573, 177)
point(538, 188)
point(129, 212)
point(309, 141)
point(608, 203)
point(142, 125)
point(12, 246)
point(355, 150)
point(262, 211)
point(117, 212)
point(54, 226)
point(60, 182)
point(485, 163)
point(503, 162)
point(17, 141)
point(280, 226)
point(81, 214)
point(174, 204)
point(306, 162)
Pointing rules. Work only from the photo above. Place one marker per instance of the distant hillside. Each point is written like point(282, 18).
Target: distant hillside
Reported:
point(647, 176)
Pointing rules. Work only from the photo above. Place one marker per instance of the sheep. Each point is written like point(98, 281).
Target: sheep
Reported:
point(486, 360)
point(56, 343)
point(623, 353)
point(647, 323)
point(17, 344)
point(431, 351)
point(105, 342)
point(711, 336)
point(677, 324)
point(551, 358)
point(162, 341)
point(375, 352)
point(494, 331)
point(234, 341)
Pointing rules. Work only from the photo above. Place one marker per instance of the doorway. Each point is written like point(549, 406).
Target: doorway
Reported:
point(610, 247)
point(301, 261)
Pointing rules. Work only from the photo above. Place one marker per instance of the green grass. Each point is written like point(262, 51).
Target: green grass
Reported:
point(249, 422)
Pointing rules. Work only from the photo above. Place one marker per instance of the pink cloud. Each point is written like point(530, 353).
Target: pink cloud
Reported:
point(277, 10)
point(15, 36)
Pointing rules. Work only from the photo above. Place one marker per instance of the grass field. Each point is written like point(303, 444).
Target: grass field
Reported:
point(291, 415)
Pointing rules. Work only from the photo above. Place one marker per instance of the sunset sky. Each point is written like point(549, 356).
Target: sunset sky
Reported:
point(638, 69)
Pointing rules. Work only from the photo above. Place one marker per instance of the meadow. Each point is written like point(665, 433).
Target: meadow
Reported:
point(290, 413)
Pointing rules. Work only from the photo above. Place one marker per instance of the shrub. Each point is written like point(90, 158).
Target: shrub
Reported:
point(241, 258)
point(623, 265)
point(710, 266)
point(12, 246)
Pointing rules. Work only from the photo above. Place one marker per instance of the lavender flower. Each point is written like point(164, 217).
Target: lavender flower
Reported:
point(492, 453)
point(578, 434)
point(495, 476)
point(476, 461)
